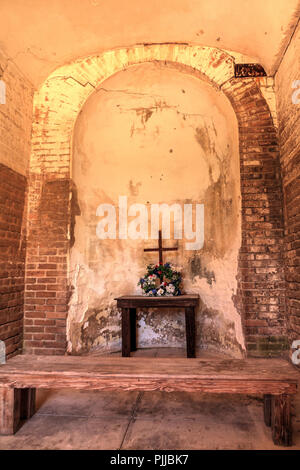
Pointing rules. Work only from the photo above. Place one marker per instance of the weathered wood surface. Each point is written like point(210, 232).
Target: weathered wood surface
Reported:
point(281, 420)
point(251, 376)
point(135, 301)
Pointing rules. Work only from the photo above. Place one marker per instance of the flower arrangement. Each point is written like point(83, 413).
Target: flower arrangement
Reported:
point(161, 280)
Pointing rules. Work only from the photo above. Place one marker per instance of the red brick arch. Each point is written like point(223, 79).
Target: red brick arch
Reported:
point(260, 295)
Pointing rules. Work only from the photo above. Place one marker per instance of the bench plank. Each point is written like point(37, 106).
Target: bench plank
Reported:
point(272, 376)
point(251, 368)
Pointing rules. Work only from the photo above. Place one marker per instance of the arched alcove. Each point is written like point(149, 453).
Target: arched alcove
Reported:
point(155, 135)
point(52, 204)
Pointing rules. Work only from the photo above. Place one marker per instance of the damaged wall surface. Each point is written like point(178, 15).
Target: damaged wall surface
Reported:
point(155, 135)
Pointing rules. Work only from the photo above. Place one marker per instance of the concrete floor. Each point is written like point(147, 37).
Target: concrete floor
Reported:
point(68, 419)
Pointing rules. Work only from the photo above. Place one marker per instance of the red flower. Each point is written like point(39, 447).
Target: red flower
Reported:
point(160, 262)
point(165, 283)
point(159, 272)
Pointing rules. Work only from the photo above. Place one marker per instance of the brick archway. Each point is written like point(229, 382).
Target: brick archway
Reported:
point(260, 295)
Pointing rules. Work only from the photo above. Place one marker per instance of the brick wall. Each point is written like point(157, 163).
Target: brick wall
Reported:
point(15, 133)
point(46, 296)
point(261, 295)
point(15, 118)
point(289, 132)
point(12, 258)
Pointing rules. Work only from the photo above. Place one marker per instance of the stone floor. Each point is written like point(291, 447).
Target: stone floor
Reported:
point(68, 419)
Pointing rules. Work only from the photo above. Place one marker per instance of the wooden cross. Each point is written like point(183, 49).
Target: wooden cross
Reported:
point(160, 248)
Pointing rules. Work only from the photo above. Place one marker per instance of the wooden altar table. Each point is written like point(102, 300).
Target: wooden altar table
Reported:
point(129, 304)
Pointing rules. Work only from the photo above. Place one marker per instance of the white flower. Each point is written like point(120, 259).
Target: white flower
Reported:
point(160, 292)
point(170, 288)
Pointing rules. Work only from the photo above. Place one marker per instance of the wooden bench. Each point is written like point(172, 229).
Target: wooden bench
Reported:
point(275, 379)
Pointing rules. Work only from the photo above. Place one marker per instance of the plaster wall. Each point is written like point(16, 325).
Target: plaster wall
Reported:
point(179, 144)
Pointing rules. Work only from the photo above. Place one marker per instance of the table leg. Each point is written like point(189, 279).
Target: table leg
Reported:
point(15, 404)
point(133, 329)
point(267, 409)
point(10, 399)
point(126, 330)
point(281, 420)
point(190, 331)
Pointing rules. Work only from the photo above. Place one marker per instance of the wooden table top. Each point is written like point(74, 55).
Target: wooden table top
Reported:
point(186, 300)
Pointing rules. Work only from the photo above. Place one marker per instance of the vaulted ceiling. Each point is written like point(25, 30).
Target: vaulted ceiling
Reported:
point(40, 35)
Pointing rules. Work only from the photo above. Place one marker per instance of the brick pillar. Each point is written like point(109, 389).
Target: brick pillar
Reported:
point(46, 295)
point(261, 268)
